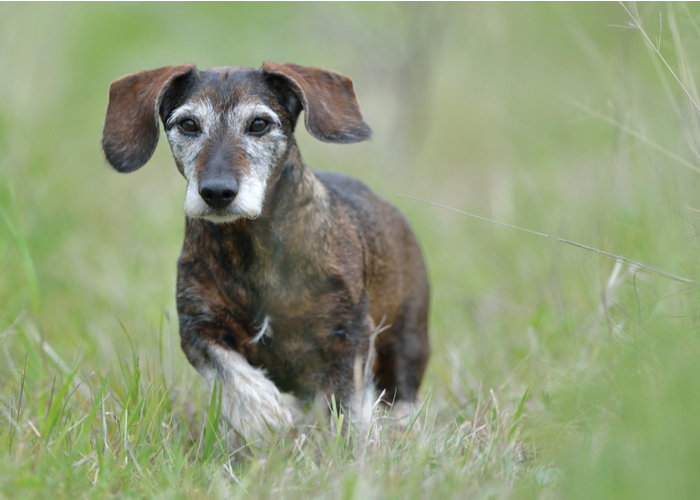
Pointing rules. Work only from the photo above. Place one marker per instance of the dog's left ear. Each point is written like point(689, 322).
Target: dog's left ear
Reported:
point(130, 132)
point(331, 111)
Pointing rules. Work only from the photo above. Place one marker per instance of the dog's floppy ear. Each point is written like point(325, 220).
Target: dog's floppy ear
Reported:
point(130, 132)
point(332, 113)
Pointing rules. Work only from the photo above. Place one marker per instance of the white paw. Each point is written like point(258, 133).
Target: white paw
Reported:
point(251, 403)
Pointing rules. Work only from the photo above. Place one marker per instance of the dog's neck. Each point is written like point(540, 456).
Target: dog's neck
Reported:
point(293, 191)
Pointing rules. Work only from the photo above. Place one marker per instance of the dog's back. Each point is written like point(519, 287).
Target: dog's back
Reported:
point(397, 284)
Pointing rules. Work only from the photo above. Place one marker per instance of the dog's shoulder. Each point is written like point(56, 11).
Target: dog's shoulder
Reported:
point(343, 184)
point(370, 209)
point(352, 193)
point(381, 226)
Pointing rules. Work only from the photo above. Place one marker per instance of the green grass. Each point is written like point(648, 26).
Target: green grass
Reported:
point(555, 373)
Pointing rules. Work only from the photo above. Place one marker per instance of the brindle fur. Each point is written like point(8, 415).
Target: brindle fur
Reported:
point(326, 260)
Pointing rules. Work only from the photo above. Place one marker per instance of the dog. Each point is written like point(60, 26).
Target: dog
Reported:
point(285, 273)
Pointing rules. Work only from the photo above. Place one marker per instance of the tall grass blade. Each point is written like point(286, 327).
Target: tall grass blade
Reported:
point(212, 421)
point(517, 415)
point(21, 243)
point(56, 407)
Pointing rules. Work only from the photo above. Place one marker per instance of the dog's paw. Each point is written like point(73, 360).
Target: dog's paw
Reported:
point(402, 412)
point(251, 403)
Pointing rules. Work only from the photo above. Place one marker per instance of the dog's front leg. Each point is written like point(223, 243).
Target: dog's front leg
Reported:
point(251, 403)
point(349, 378)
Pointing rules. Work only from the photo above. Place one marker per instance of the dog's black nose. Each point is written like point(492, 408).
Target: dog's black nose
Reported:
point(218, 194)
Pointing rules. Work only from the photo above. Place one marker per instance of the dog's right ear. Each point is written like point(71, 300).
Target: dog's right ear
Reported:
point(130, 132)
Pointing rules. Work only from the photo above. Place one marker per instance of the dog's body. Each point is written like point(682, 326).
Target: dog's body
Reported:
point(284, 273)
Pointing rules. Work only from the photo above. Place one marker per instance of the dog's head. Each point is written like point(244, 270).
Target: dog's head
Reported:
point(229, 128)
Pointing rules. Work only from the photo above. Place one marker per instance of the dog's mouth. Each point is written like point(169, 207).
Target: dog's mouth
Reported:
point(225, 216)
point(221, 217)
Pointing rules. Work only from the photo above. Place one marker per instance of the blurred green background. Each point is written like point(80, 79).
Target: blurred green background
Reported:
point(560, 118)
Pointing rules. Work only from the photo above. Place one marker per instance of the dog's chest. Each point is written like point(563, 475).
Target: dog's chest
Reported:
point(274, 306)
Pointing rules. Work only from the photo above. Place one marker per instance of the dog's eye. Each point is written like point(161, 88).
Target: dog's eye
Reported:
point(189, 125)
point(258, 126)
